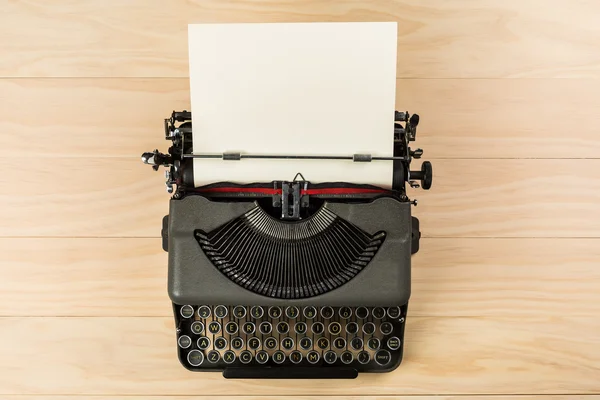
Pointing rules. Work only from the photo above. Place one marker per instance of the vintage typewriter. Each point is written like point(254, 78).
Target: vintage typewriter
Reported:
point(289, 279)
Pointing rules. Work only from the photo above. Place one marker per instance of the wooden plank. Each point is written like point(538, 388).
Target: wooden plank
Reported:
point(524, 118)
point(136, 356)
point(470, 198)
point(450, 277)
point(437, 38)
point(301, 397)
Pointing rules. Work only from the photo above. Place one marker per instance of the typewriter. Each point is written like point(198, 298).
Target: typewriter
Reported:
point(289, 279)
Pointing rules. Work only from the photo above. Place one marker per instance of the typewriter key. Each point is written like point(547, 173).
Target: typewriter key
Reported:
point(386, 328)
point(229, 357)
point(352, 328)
point(339, 343)
point(345, 312)
point(184, 341)
point(292, 312)
point(203, 343)
point(279, 356)
point(214, 327)
point(283, 327)
point(245, 356)
point(187, 311)
point(197, 327)
point(220, 343)
point(374, 343)
point(220, 311)
point(326, 312)
point(330, 357)
point(356, 343)
point(204, 312)
point(347, 357)
point(323, 343)
point(382, 357)
point(195, 358)
point(296, 356)
point(317, 327)
point(249, 328)
point(274, 312)
point(305, 343)
point(262, 357)
point(378, 312)
point(237, 343)
point(257, 312)
point(300, 328)
point(287, 343)
point(213, 356)
point(231, 327)
point(334, 328)
point(309, 312)
point(254, 343)
point(393, 343)
point(363, 357)
point(362, 312)
point(369, 328)
point(313, 357)
point(265, 327)
point(270, 343)
point(239, 311)
point(393, 312)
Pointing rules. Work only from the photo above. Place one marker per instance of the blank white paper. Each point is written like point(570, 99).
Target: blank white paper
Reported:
point(293, 88)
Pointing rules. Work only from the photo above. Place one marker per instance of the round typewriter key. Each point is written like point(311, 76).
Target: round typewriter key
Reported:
point(313, 357)
point(220, 343)
point(352, 328)
point(287, 343)
point(187, 311)
point(257, 312)
point(214, 327)
point(393, 312)
point(283, 327)
point(270, 343)
point(265, 327)
point(339, 343)
point(322, 343)
point(369, 328)
point(305, 343)
point(204, 312)
point(300, 328)
point(203, 343)
point(213, 356)
point(362, 312)
point(330, 357)
point(345, 312)
point(184, 341)
point(295, 356)
point(383, 357)
point(309, 312)
point(292, 312)
point(220, 311)
point(317, 327)
point(195, 358)
point(363, 357)
point(197, 327)
point(274, 312)
point(231, 327)
point(254, 343)
point(386, 328)
point(249, 328)
point(393, 343)
point(326, 312)
point(237, 343)
point(334, 328)
point(378, 312)
point(229, 357)
point(347, 357)
point(356, 343)
point(262, 357)
point(374, 343)
point(239, 311)
point(245, 356)
point(279, 357)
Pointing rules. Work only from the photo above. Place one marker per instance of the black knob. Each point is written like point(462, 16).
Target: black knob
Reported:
point(425, 175)
point(414, 120)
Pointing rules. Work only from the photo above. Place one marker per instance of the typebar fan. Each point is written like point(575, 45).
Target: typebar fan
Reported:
point(289, 260)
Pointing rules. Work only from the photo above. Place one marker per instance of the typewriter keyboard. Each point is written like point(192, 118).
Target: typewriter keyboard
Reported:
point(368, 339)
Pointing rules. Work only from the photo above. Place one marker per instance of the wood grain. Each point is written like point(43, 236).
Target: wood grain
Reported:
point(451, 277)
point(136, 356)
point(461, 118)
point(437, 38)
point(385, 397)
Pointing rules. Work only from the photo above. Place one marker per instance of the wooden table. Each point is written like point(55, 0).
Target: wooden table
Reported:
point(506, 287)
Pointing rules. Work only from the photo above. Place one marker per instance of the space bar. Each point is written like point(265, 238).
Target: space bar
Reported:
point(289, 373)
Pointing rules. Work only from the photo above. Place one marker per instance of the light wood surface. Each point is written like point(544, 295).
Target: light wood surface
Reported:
point(506, 287)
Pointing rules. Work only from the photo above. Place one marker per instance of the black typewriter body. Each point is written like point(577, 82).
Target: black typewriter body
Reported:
point(289, 279)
